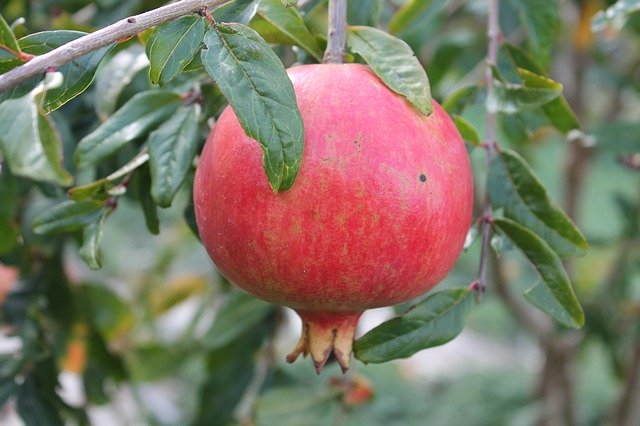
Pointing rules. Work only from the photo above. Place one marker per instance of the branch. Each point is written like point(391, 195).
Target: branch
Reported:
point(113, 33)
point(337, 33)
point(490, 144)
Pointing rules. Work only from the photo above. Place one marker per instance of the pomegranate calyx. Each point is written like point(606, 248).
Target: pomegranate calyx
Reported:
point(324, 333)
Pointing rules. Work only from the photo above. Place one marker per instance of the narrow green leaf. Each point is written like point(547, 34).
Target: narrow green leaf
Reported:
point(394, 62)
point(239, 314)
point(67, 216)
point(458, 100)
point(171, 150)
point(540, 296)
point(96, 190)
point(7, 38)
point(406, 14)
point(364, 12)
point(139, 185)
point(512, 98)
point(551, 270)
point(557, 110)
point(236, 11)
point(253, 79)
point(231, 370)
point(514, 187)
point(114, 76)
point(467, 130)
point(436, 320)
point(173, 45)
point(91, 237)
point(541, 21)
point(78, 74)
point(140, 114)
point(287, 20)
point(30, 143)
point(34, 406)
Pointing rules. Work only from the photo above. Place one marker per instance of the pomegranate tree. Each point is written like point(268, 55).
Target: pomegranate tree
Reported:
point(378, 213)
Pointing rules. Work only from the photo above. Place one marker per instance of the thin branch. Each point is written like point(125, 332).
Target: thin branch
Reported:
point(491, 145)
point(121, 30)
point(337, 33)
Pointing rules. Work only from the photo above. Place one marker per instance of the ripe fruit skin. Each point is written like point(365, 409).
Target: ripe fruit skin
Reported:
point(378, 213)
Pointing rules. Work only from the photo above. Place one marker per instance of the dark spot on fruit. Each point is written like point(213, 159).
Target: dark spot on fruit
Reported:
point(423, 178)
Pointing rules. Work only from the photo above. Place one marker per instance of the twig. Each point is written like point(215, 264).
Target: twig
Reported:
point(121, 30)
point(337, 33)
point(490, 144)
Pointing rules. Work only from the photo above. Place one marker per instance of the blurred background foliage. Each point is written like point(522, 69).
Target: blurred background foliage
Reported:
point(156, 336)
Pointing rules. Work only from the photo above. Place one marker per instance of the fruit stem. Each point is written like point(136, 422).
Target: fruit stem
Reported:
point(337, 32)
point(324, 333)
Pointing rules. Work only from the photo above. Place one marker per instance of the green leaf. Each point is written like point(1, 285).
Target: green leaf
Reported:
point(171, 150)
point(288, 22)
point(409, 10)
point(458, 100)
point(618, 136)
point(67, 216)
point(511, 98)
point(139, 185)
point(514, 187)
point(140, 114)
point(78, 74)
point(236, 11)
point(551, 270)
point(436, 320)
point(239, 314)
point(34, 406)
point(106, 311)
point(97, 190)
point(541, 21)
point(173, 45)
point(615, 16)
point(296, 405)
point(253, 79)
point(394, 62)
point(467, 131)
point(114, 76)
point(231, 370)
point(364, 12)
point(557, 110)
point(30, 143)
point(7, 38)
point(540, 296)
point(91, 236)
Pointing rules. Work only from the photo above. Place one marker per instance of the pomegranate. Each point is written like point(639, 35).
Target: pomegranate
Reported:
point(378, 213)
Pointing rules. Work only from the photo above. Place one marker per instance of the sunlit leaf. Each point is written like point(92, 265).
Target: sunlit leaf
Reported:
point(512, 98)
point(514, 187)
point(236, 11)
point(78, 74)
point(436, 320)
point(254, 81)
point(68, 216)
point(467, 130)
point(114, 76)
point(171, 150)
point(30, 143)
point(563, 305)
point(239, 314)
point(172, 46)
point(7, 39)
point(394, 62)
point(288, 22)
point(139, 115)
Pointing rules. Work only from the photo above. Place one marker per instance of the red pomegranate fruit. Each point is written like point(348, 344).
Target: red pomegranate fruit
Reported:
point(378, 213)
